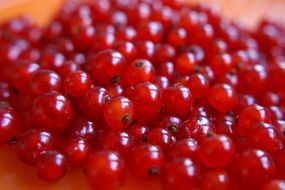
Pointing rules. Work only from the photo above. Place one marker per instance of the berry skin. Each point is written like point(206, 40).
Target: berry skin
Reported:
point(44, 81)
point(51, 166)
point(274, 185)
point(52, 111)
point(119, 112)
point(141, 70)
point(9, 124)
point(77, 83)
point(180, 173)
point(198, 85)
point(76, 152)
point(152, 31)
point(160, 137)
point(84, 129)
point(216, 151)
point(265, 137)
point(216, 179)
point(147, 100)
point(185, 64)
point(222, 97)
point(221, 64)
point(250, 116)
point(93, 102)
point(120, 142)
point(255, 165)
point(32, 143)
point(146, 161)
point(177, 100)
point(139, 132)
point(105, 170)
point(107, 67)
point(187, 148)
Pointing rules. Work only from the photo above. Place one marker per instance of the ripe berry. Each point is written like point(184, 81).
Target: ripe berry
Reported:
point(216, 179)
point(177, 100)
point(147, 100)
point(9, 124)
point(146, 161)
point(160, 137)
point(216, 151)
point(120, 142)
point(180, 173)
point(84, 129)
point(32, 143)
point(76, 152)
point(119, 112)
point(93, 102)
point(255, 165)
point(77, 83)
point(250, 116)
point(51, 166)
point(139, 132)
point(107, 67)
point(187, 148)
point(185, 64)
point(141, 70)
point(274, 185)
point(222, 97)
point(198, 85)
point(105, 170)
point(44, 81)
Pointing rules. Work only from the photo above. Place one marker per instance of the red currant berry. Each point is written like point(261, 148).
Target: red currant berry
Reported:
point(52, 111)
point(107, 67)
point(180, 173)
point(119, 112)
point(77, 83)
point(9, 124)
point(146, 161)
point(216, 151)
point(51, 166)
point(105, 170)
point(222, 97)
point(32, 143)
point(141, 70)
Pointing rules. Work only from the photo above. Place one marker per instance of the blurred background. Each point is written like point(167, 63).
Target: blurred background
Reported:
point(245, 12)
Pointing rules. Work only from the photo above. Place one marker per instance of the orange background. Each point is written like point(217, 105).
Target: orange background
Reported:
point(16, 176)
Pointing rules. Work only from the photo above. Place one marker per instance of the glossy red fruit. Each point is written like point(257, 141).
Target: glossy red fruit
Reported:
point(146, 161)
point(140, 70)
point(198, 85)
point(105, 170)
point(45, 81)
point(107, 67)
point(120, 142)
point(198, 127)
point(184, 148)
point(177, 100)
point(52, 111)
point(250, 116)
point(32, 143)
point(77, 83)
point(221, 64)
point(180, 173)
point(51, 166)
point(253, 164)
point(76, 152)
point(93, 102)
point(147, 100)
point(185, 64)
point(222, 97)
point(9, 124)
point(139, 132)
point(160, 137)
point(216, 179)
point(264, 136)
point(81, 128)
point(119, 113)
point(216, 151)
point(276, 184)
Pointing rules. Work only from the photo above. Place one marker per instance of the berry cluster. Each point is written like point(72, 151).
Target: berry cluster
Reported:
point(157, 89)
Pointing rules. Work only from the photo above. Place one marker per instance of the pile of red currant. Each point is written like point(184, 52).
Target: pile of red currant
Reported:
point(157, 89)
